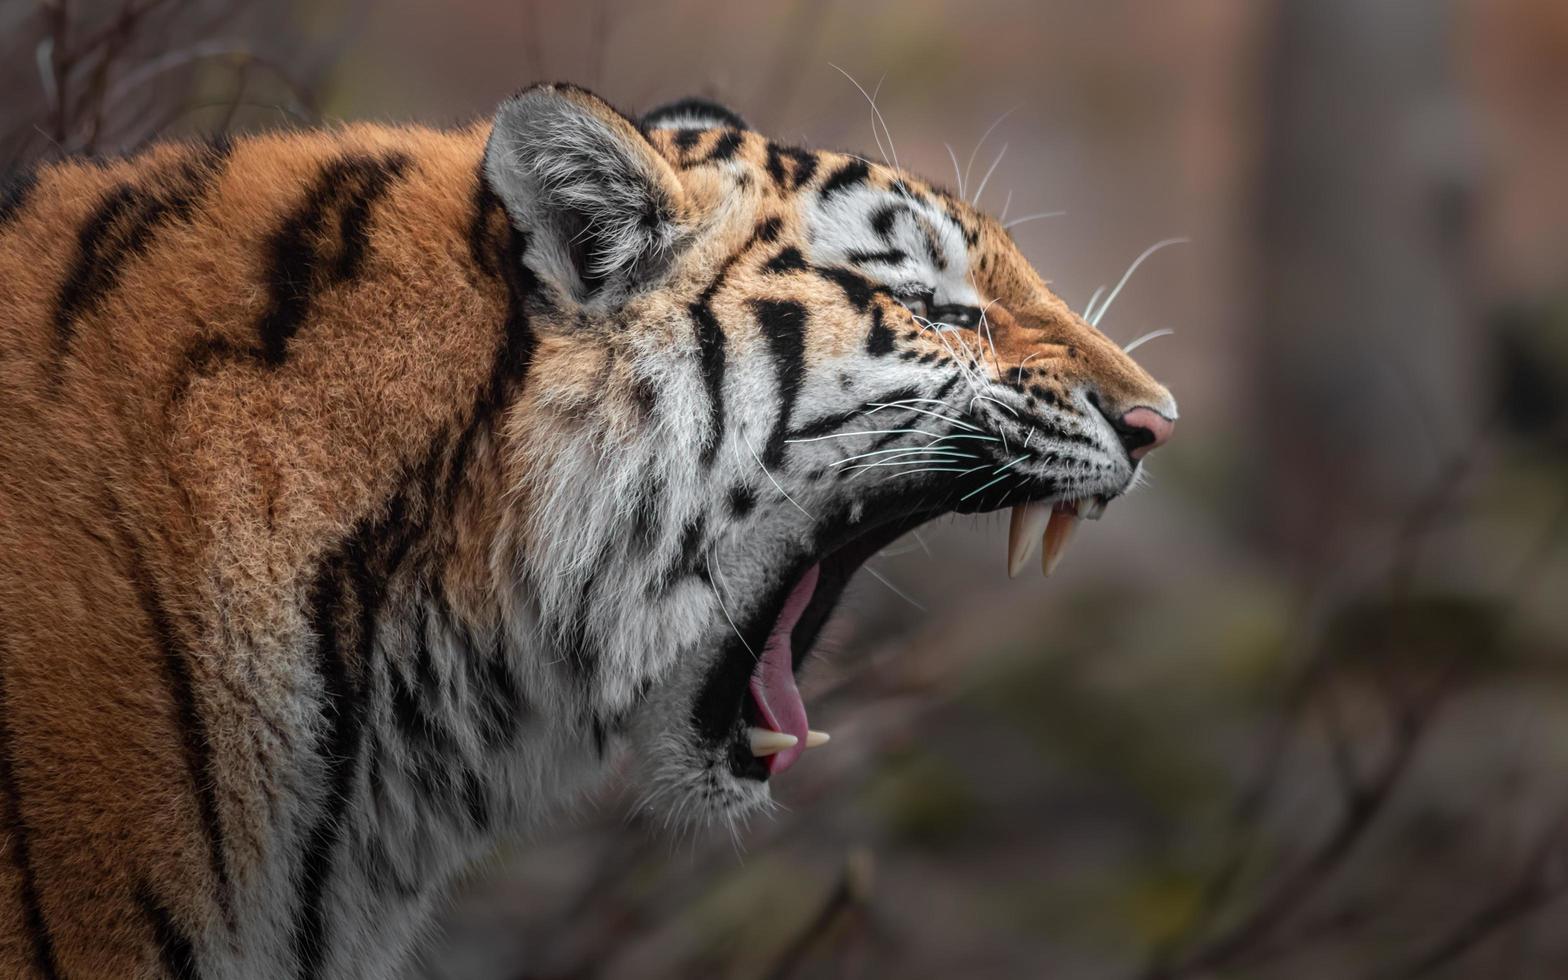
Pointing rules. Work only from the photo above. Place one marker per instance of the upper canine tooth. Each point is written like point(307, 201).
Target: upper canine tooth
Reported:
point(814, 739)
point(1054, 542)
point(766, 741)
point(1029, 521)
point(1091, 508)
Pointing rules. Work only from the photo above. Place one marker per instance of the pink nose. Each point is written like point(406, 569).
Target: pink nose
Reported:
point(1144, 429)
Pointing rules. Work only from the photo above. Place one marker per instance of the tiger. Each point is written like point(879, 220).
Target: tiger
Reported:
point(369, 493)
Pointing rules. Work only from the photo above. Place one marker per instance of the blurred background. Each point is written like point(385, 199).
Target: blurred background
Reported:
point(1299, 708)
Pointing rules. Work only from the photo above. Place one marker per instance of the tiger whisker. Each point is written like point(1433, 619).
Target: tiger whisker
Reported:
point(1099, 314)
point(1151, 335)
point(987, 178)
point(895, 589)
point(986, 398)
point(1024, 219)
point(956, 172)
point(905, 451)
point(1088, 308)
point(930, 469)
point(1018, 372)
point(927, 411)
point(983, 487)
point(714, 580)
point(776, 485)
point(864, 432)
point(876, 117)
point(969, 164)
point(910, 462)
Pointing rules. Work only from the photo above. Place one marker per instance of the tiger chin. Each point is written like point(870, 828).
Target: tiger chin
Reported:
point(365, 491)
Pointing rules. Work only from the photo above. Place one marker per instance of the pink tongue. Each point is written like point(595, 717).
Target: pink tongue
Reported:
point(773, 682)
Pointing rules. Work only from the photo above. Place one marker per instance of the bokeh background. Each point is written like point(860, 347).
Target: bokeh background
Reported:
point(1299, 708)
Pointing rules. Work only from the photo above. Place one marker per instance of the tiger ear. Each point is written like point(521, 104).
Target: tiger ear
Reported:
point(692, 113)
point(603, 212)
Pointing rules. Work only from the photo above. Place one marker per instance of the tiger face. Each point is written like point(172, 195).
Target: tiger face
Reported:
point(757, 366)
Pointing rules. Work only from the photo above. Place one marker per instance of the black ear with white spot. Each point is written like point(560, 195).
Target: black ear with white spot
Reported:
point(603, 212)
point(693, 114)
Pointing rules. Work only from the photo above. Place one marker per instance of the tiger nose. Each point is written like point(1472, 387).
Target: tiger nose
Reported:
point(1143, 430)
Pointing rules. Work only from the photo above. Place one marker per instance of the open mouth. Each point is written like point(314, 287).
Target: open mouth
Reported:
point(750, 697)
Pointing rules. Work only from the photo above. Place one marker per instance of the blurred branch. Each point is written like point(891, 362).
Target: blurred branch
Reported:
point(122, 75)
point(1543, 881)
point(847, 902)
point(1363, 797)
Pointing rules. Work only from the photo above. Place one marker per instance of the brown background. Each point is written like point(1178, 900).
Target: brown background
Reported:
point(1297, 709)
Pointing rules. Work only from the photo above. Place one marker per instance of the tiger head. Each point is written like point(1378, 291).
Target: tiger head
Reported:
point(758, 365)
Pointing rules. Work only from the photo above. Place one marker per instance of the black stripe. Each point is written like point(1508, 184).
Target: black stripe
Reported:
point(742, 499)
point(783, 323)
point(351, 583)
point(883, 217)
point(890, 256)
point(857, 288)
point(711, 342)
point(879, 339)
point(350, 186)
point(802, 166)
point(174, 947)
point(686, 561)
point(726, 146)
point(933, 250)
point(195, 742)
point(121, 228)
point(347, 189)
point(832, 423)
point(912, 419)
point(852, 173)
point(788, 260)
point(475, 800)
point(32, 909)
point(339, 745)
point(500, 249)
point(18, 187)
point(501, 702)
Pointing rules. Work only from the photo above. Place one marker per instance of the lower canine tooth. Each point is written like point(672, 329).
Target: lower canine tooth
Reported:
point(1057, 534)
point(766, 741)
point(814, 739)
point(1029, 520)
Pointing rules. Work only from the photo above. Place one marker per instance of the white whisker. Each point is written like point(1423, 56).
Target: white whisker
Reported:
point(983, 487)
point(864, 432)
point(905, 450)
point(927, 411)
point(969, 165)
point(876, 117)
point(958, 174)
point(716, 580)
point(987, 178)
point(986, 398)
point(1008, 226)
point(1100, 313)
point(1151, 335)
point(938, 457)
point(776, 485)
point(1018, 372)
point(896, 590)
point(1088, 308)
